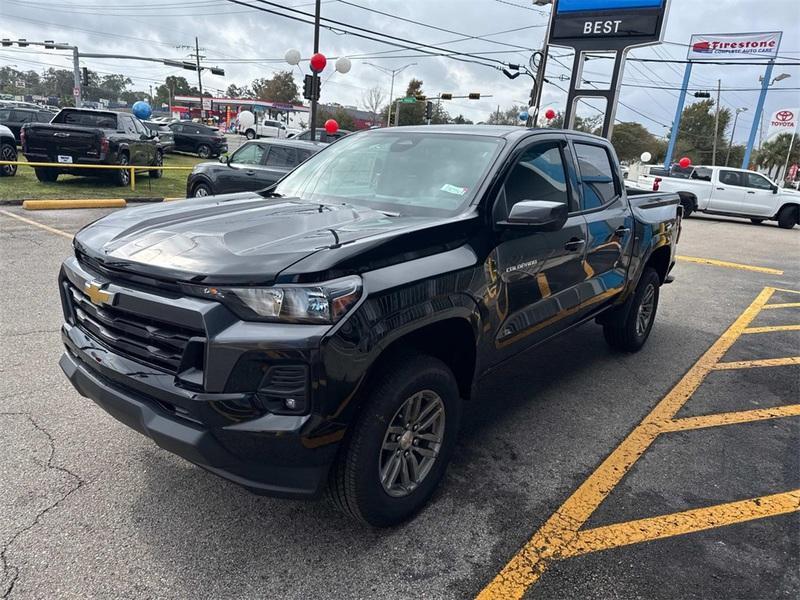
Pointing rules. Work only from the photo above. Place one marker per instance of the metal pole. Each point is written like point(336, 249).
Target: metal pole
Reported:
point(315, 77)
point(757, 116)
point(676, 122)
point(199, 78)
point(391, 95)
point(788, 154)
point(538, 82)
point(76, 71)
point(716, 126)
point(733, 132)
point(397, 114)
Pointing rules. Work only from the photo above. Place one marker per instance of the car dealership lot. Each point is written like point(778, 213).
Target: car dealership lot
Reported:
point(90, 508)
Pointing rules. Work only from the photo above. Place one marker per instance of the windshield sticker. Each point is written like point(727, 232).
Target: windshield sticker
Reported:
point(454, 189)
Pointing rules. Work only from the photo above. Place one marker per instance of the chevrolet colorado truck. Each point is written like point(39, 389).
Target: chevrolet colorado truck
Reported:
point(327, 332)
point(91, 137)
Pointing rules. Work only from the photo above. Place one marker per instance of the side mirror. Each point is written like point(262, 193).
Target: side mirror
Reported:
point(774, 189)
point(537, 214)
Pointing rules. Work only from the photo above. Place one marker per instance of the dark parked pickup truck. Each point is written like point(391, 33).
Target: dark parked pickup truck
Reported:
point(328, 332)
point(91, 137)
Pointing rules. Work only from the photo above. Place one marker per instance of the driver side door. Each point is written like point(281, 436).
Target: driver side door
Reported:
point(760, 199)
point(242, 173)
point(534, 276)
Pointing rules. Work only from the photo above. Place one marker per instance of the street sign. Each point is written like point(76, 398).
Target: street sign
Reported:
point(408, 100)
point(76, 91)
point(734, 46)
point(206, 103)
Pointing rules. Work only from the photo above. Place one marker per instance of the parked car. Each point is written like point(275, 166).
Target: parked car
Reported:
point(266, 128)
point(166, 139)
point(322, 135)
point(330, 330)
point(254, 166)
point(15, 118)
point(732, 192)
point(91, 137)
point(8, 151)
point(196, 138)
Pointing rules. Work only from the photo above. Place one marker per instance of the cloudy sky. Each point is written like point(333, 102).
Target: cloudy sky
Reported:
point(249, 44)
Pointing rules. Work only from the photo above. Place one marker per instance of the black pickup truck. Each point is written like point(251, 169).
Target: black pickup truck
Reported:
point(328, 331)
point(91, 137)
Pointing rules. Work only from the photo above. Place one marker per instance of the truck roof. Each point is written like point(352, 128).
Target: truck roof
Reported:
point(499, 131)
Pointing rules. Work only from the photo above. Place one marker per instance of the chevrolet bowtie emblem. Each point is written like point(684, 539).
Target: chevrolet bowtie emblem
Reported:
point(97, 294)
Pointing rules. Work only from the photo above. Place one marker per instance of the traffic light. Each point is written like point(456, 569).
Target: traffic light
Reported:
point(310, 91)
point(22, 43)
point(446, 96)
point(421, 98)
point(428, 110)
point(85, 77)
point(217, 71)
point(474, 96)
point(6, 42)
point(49, 45)
point(702, 95)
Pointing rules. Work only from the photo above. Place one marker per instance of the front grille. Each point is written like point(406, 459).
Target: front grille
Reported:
point(144, 339)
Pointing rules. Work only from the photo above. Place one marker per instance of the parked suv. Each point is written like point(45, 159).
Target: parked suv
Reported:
point(14, 118)
point(199, 139)
point(330, 331)
point(254, 166)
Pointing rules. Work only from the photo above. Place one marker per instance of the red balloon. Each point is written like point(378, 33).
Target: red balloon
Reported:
point(550, 113)
point(685, 162)
point(331, 126)
point(318, 62)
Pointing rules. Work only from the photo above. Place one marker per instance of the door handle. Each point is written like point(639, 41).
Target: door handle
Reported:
point(751, 192)
point(574, 244)
point(620, 231)
point(250, 172)
point(721, 189)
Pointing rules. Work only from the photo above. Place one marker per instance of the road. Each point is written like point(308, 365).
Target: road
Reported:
point(580, 473)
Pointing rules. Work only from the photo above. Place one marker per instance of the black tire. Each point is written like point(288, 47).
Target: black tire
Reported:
point(623, 330)
point(201, 190)
point(122, 177)
point(204, 151)
point(8, 152)
point(355, 484)
point(46, 174)
point(250, 134)
point(688, 207)
point(157, 173)
point(787, 217)
point(756, 221)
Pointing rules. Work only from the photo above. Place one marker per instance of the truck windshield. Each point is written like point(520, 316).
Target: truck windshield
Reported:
point(86, 119)
point(412, 174)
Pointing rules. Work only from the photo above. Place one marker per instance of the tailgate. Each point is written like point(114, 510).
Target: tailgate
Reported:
point(56, 140)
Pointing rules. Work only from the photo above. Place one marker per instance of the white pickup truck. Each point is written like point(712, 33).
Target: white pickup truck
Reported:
point(266, 128)
point(730, 192)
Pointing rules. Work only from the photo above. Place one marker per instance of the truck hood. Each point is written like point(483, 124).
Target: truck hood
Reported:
point(243, 238)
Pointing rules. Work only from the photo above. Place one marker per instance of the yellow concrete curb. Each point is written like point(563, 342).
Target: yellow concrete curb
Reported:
point(174, 199)
point(83, 203)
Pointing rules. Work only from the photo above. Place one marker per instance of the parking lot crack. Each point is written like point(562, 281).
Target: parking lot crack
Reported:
point(77, 483)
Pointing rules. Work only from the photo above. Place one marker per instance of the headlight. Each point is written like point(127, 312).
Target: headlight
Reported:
point(322, 303)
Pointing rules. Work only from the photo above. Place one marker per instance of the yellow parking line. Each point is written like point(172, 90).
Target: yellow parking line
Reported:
point(731, 418)
point(35, 224)
point(772, 328)
point(783, 305)
point(764, 362)
point(554, 538)
point(690, 521)
point(729, 265)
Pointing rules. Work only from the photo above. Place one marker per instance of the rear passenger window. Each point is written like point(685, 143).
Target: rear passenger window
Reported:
point(702, 173)
point(597, 176)
point(281, 156)
point(730, 178)
point(539, 175)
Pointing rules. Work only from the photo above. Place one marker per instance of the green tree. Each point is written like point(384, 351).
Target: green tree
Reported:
point(59, 82)
point(17, 82)
point(509, 116)
point(696, 134)
point(630, 140)
point(173, 86)
point(281, 87)
point(772, 155)
point(409, 114)
point(339, 114)
point(585, 124)
point(234, 91)
point(460, 120)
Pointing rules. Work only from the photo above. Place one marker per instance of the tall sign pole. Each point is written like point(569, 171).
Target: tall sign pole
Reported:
point(676, 122)
point(757, 117)
point(76, 73)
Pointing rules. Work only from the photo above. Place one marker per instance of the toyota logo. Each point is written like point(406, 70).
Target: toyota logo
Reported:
point(784, 115)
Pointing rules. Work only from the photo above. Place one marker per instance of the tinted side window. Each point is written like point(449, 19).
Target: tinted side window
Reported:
point(538, 175)
point(177, 127)
point(249, 154)
point(44, 117)
point(758, 182)
point(306, 135)
point(281, 156)
point(729, 178)
point(702, 173)
point(5, 115)
point(597, 179)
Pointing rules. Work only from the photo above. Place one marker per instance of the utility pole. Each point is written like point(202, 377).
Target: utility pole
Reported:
point(76, 73)
point(733, 132)
point(315, 80)
point(538, 83)
point(716, 126)
point(199, 77)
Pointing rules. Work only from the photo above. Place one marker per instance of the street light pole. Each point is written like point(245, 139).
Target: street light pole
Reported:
point(733, 132)
point(393, 73)
point(716, 126)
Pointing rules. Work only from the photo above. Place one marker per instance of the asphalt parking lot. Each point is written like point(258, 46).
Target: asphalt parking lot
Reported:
point(672, 473)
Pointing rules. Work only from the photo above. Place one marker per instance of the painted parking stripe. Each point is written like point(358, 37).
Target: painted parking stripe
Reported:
point(559, 534)
point(772, 329)
point(782, 305)
point(731, 418)
point(36, 224)
point(729, 265)
point(754, 364)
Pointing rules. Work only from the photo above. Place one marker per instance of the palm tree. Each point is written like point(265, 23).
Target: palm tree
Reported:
point(772, 154)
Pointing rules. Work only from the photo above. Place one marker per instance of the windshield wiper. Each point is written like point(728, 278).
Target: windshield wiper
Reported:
point(388, 213)
point(271, 194)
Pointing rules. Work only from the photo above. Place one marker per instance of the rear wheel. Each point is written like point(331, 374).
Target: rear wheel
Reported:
point(201, 190)
point(688, 206)
point(8, 152)
point(204, 151)
point(123, 176)
point(46, 174)
point(250, 134)
point(159, 162)
point(399, 446)
point(756, 221)
point(787, 217)
point(629, 327)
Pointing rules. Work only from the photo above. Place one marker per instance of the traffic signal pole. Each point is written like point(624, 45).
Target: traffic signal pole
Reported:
point(676, 122)
point(315, 87)
point(76, 72)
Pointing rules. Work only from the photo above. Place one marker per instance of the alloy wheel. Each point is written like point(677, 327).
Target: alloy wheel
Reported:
point(645, 313)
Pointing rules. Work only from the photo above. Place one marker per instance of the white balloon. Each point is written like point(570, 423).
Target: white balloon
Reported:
point(646, 156)
point(246, 119)
point(343, 65)
point(292, 56)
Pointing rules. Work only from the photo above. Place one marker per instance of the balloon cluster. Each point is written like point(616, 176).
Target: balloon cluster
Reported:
point(318, 61)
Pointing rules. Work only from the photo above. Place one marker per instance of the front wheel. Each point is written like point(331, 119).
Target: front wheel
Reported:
point(250, 134)
point(629, 327)
point(8, 152)
point(204, 151)
point(399, 446)
point(123, 176)
point(201, 190)
point(788, 217)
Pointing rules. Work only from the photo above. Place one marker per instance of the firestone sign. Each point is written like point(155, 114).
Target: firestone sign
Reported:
point(735, 46)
